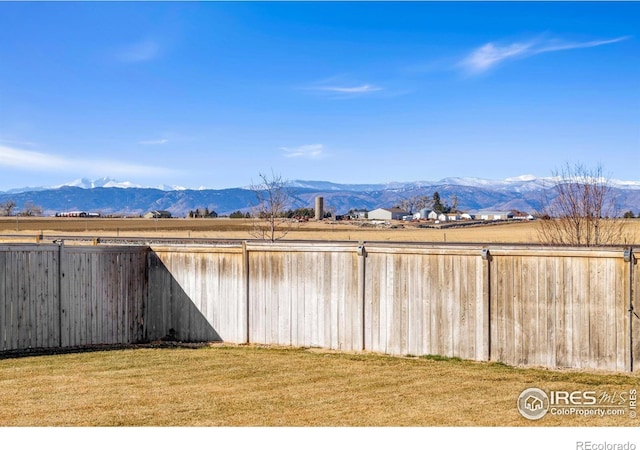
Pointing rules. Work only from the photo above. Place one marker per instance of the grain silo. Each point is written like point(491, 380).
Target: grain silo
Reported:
point(319, 208)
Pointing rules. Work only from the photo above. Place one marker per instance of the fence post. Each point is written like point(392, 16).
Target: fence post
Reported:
point(245, 275)
point(60, 276)
point(486, 298)
point(362, 296)
point(629, 257)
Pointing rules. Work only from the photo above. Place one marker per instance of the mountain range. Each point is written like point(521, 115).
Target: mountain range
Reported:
point(111, 197)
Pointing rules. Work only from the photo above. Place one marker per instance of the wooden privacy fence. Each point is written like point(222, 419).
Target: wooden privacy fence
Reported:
point(67, 296)
point(552, 307)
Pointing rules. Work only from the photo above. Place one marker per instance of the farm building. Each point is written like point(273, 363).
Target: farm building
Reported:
point(387, 214)
point(494, 215)
point(426, 213)
point(358, 214)
point(157, 215)
point(77, 214)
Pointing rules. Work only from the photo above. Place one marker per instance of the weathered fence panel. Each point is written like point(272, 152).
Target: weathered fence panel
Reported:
point(29, 301)
point(104, 290)
point(197, 294)
point(305, 295)
point(559, 308)
point(426, 300)
point(65, 296)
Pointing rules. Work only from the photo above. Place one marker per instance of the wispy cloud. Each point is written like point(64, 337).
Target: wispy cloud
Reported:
point(141, 51)
point(490, 55)
point(363, 89)
point(154, 142)
point(338, 87)
point(25, 159)
point(21, 143)
point(310, 151)
point(43, 162)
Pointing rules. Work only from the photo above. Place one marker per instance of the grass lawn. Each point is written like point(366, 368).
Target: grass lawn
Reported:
point(219, 385)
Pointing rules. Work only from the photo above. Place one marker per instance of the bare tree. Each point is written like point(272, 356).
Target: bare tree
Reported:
point(30, 209)
point(415, 203)
point(580, 209)
point(7, 207)
point(273, 198)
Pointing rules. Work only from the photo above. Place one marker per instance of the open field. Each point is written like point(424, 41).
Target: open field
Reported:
point(254, 386)
point(512, 232)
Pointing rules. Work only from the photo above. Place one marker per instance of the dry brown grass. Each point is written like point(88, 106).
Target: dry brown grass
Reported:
point(518, 232)
point(254, 386)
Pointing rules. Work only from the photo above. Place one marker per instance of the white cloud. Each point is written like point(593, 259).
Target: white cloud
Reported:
point(311, 151)
point(364, 89)
point(22, 143)
point(42, 162)
point(25, 159)
point(490, 54)
point(141, 51)
point(154, 142)
point(338, 87)
point(554, 46)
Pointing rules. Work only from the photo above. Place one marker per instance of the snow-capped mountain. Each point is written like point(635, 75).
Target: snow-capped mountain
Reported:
point(520, 183)
point(110, 196)
point(104, 182)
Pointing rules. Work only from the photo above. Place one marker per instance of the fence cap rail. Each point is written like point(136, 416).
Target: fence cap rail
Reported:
point(76, 248)
point(581, 252)
point(212, 244)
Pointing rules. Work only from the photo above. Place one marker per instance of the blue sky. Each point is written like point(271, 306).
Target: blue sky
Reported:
point(212, 94)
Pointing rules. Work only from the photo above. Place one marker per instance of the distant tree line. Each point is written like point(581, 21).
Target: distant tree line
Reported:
point(28, 209)
point(202, 213)
point(299, 213)
point(434, 203)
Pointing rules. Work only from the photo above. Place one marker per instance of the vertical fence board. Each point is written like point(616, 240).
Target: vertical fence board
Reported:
point(4, 299)
point(633, 303)
point(14, 301)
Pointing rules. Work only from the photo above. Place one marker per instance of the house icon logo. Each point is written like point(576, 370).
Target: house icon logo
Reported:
point(533, 403)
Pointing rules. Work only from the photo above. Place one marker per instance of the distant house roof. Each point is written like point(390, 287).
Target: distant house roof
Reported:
point(387, 213)
point(158, 214)
point(495, 215)
point(392, 210)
